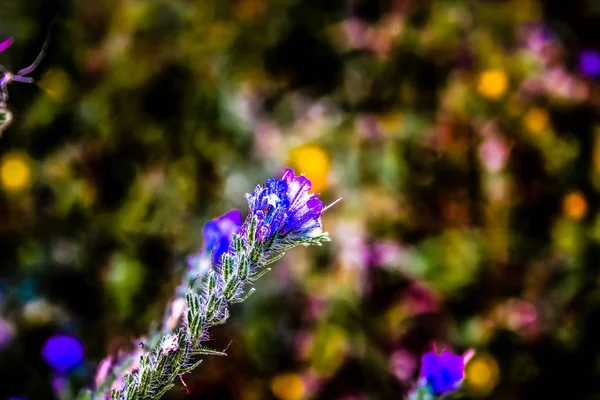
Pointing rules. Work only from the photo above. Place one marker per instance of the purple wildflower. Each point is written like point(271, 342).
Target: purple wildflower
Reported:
point(6, 44)
point(19, 76)
point(589, 63)
point(285, 209)
point(443, 373)
point(218, 234)
point(59, 384)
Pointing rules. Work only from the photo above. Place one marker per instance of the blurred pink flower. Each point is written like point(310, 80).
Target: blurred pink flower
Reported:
point(383, 253)
point(403, 364)
point(421, 299)
point(356, 33)
point(354, 252)
point(178, 308)
point(493, 153)
point(517, 314)
point(316, 307)
point(538, 38)
point(560, 83)
point(269, 138)
point(367, 126)
point(103, 370)
point(133, 366)
point(312, 382)
point(303, 342)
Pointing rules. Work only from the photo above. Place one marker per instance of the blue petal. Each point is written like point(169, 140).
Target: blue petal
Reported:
point(211, 234)
point(219, 232)
point(443, 373)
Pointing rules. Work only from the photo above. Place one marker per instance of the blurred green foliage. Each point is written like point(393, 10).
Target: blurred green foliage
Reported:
point(461, 135)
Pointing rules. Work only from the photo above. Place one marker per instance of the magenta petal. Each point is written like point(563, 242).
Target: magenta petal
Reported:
point(288, 175)
point(234, 216)
point(304, 182)
point(6, 44)
point(314, 204)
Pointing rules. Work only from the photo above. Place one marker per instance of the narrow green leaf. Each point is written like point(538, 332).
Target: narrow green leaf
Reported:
point(241, 299)
point(162, 392)
point(258, 275)
point(190, 368)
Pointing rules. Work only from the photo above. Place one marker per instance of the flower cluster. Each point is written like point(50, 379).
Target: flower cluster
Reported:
point(285, 211)
point(282, 215)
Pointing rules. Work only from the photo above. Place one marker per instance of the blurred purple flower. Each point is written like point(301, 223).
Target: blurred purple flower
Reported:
point(538, 36)
point(63, 352)
point(421, 299)
point(6, 44)
point(444, 372)
point(589, 63)
point(540, 40)
point(59, 384)
point(219, 232)
point(383, 253)
point(285, 209)
point(6, 332)
point(493, 153)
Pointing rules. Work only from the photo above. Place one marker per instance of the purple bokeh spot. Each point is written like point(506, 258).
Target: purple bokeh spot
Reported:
point(589, 63)
point(63, 352)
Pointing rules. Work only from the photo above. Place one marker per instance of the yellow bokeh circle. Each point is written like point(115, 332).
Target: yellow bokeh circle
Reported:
point(314, 162)
point(492, 83)
point(575, 205)
point(536, 120)
point(482, 374)
point(15, 172)
point(288, 387)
